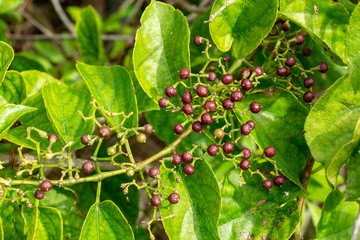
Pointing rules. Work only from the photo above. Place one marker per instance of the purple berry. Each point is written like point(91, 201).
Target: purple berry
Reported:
point(228, 147)
point(228, 104)
point(197, 126)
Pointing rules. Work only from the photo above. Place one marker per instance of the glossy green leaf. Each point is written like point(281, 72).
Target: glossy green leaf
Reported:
point(112, 89)
point(197, 213)
point(249, 210)
point(27, 61)
point(324, 20)
point(330, 126)
point(349, 5)
point(7, 55)
point(9, 114)
point(161, 48)
point(352, 177)
point(45, 223)
point(62, 105)
point(13, 221)
point(9, 5)
point(279, 124)
point(88, 37)
point(242, 25)
point(35, 80)
point(352, 43)
point(145, 103)
point(105, 221)
point(13, 89)
point(337, 217)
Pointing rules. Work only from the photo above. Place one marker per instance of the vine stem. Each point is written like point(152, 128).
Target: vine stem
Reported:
point(98, 191)
point(355, 232)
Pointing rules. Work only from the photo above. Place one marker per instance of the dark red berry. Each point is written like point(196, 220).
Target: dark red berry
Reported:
point(178, 129)
point(246, 153)
point(198, 40)
point(245, 73)
point(206, 119)
point(52, 138)
point(282, 71)
point(212, 76)
point(210, 106)
point(255, 107)
point(290, 61)
point(286, 26)
point(174, 198)
point(246, 84)
point(306, 52)
point(299, 39)
point(270, 151)
point(323, 67)
point(176, 159)
point(202, 91)
point(197, 126)
point(245, 129)
point(258, 70)
point(251, 124)
point(213, 150)
point(148, 128)
point(189, 169)
point(163, 102)
point(219, 133)
point(266, 184)
point(88, 167)
point(228, 104)
point(188, 109)
point(236, 96)
point(245, 164)
point(282, 20)
point(184, 73)
point(228, 147)
point(85, 139)
point(308, 96)
point(104, 132)
point(155, 201)
point(170, 91)
point(279, 181)
point(39, 194)
point(46, 185)
point(309, 82)
point(226, 58)
point(187, 157)
point(186, 97)
point(153, 172)
point(227, 79)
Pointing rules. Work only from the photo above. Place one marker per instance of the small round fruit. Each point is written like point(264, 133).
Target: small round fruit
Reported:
point(197, 126)
point(29, 205)
point(219, 133)
point(245, 164)
point(176, 159)
point(245, 129)
point(251, 124)
point(178, 129)
point(187, 157)
point(306, 52)
point(186, 97)
point(130, 172)
point(237, 96)
point(188, 109)
point(270, 151)
point(227, 79)
point(282, 20)
point(202, 91)
point(39, 194)
point(148, 128)
point(210, 106)
point(85, 139)
point(286, 26)
point(228, 147)
point(198, 40)
point(299, 39)
point(226, 58)
point(246, 85)
point(53, 138)
point(258, 70)
point(43, 134)
point(104, 132)
point(46, 185)
point(323, 67)
point(189, 169)
point(282, 71)
point(279, 181)
point(255, 107)
point(163, 102)
point(141, 138)
point(213, 150)
point(246, 153)
point(88, 167)
point(228, 104)
point(212, 76)
point(154, 172)
point(206, 119)
point(170, 91)
point(48, 155)
point(266, 184)
point(111, 151)
point(245, 73)
point(309, 82)
point(155, 201)
point(308, 96)
point(184, 73)
point(174, 198)
point(290, 61)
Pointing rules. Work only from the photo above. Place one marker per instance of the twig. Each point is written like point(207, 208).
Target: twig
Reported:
point(219, 11)
point(37, 24)
point(355, 232)
point(34, 37)
point(61, 13)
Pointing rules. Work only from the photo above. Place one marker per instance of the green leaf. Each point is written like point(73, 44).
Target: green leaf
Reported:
point(62, 105)
point(48, 50)
point(161, 48)
point(279, 124)
point(7, 55)
point(35, 80)
point(88, 37)
point(330, 126)
point(352, 43)
point(9, 5)
point(242, 25)
point(249, 210)
point(105, 221)
point(13, 221)
point(337, 217)
point(1, 230)
point(27, 61)
point(112, 89)
point(197, 213)
point(9, 114)
point(324, 20)
point(13, 89)
point(352, 178)
point(350, 6)
point(145, 103)
point(45, 223)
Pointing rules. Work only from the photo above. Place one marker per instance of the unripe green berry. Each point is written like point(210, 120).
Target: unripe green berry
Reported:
point(141, 138)
point(43, 134)
point(130, 172)
point(111, 151)
point(48, 155)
